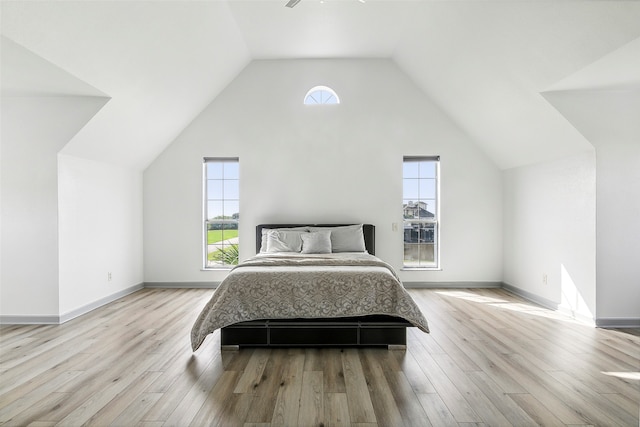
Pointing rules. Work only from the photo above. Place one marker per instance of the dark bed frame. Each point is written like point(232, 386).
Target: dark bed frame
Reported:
point(375, 330)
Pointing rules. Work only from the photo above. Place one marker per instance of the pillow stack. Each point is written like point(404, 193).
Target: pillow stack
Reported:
point(314, 240)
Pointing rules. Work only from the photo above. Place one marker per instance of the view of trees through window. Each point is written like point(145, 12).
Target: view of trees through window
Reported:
point(420, 211)
point(222, 211)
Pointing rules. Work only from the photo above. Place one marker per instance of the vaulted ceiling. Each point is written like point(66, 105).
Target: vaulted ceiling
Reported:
point(501, 70)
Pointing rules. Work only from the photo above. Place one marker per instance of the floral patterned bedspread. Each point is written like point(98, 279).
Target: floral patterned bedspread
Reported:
point(290, 286)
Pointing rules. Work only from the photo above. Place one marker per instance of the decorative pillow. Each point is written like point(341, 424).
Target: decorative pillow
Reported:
point(263, 244)
point(348, 238)
point(318, 242)
point(284, 241)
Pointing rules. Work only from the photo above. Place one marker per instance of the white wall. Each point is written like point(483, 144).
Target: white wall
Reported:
point(618, 211)
point(34, 129)
point(100, 223)
point(550, 229)
point(608, 118)
point(323, 164)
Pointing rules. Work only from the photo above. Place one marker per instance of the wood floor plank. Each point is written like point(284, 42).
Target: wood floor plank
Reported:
point(287, 406)
point(181, 361)
point(437, 411)
point(542, 387)
point(102, 396)
point(22, 353)
point(183, 384)
point(26, 388)
point(28, 400)
point(214, 408)
point(336, 410)
point(490, 362)
point(311, 399)
point(626, 403)
point(237, 360)
point(446, 389)
point(537, 411)
point(360, 405)
point(601, 411)
point(138, 406)
point(40, 411)
point(10, 334)
point(491, 359)
point(252, 374)
point(479, 401)
point(108, 413)
point(267, 390)
point(333, 371)
point(312, 359)
point(95, 387)
point(149, 424)
point(416, 377)
point(35, 366)
point(235, 410)
point(448, 344)
point(407, 402)
point(384, 405)
point(193, 400)
point(507, 407)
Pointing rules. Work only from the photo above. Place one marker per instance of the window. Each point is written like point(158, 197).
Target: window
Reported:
point(420, 211)
point(321, 95)
point(221, 211)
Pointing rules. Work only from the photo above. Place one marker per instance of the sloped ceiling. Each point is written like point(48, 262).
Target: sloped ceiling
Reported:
point(489, 72)
point(160, 63)
point(602, 100)
point(485, 63)
point(30, 75)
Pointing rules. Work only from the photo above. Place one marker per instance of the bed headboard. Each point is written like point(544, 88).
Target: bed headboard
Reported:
point(368, 230)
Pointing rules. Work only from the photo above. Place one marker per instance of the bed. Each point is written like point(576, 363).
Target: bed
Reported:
point(310, 285)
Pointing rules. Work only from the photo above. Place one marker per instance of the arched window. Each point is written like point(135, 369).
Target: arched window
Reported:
point(321, 95)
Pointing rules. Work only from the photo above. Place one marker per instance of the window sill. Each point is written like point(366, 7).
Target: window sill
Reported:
point(216, 268)
point(421, 269)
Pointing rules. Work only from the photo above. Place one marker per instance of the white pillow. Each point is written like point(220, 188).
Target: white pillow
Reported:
point(284, 241)
point(263, 243)
point(318, 242)
point(348, 238)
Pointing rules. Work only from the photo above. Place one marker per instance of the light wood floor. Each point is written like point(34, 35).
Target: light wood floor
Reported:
point(491, 359)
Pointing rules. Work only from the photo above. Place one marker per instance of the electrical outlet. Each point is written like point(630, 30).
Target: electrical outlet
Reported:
point(545, 279)
point(394, 226)
point(108, 276)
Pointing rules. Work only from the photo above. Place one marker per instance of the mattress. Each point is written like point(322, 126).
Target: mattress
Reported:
point(307, 286)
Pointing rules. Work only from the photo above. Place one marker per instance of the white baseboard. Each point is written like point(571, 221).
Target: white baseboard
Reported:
point(618, 322)
point(19, 319)
point(451, 285)
point(182, 285)
point(632, 322)
point(99, 303)
point(56, 320)
point(551, 305)
point(546, 303)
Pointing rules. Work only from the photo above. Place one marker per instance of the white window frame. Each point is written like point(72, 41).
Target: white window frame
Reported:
point(205, 214)
point(321, 95)
point(434, 221)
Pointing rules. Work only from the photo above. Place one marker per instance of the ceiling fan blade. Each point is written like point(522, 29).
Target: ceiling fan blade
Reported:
point(292, 3)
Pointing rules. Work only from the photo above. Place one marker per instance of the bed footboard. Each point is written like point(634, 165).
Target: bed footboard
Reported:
point(344, 332)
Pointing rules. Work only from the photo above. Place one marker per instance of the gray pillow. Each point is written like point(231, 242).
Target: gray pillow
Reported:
point(348, 238)
point(318, 242)
point(284, 241)
point(263, 243)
